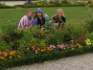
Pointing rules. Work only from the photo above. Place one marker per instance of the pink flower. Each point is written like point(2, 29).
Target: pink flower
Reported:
point(62, 46)
point(52, 46)
point(33, 48)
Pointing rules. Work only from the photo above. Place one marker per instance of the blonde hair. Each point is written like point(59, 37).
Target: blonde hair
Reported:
point(28, 10)
point(60, 11)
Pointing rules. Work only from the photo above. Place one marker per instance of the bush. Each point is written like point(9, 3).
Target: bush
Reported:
point(42, 4)
point(55, 37)
point(9, 40)
point(42, 37)
point(2, 68)
point(74, 31)
point(90, 35)
point(4, 46)
point(90, 25)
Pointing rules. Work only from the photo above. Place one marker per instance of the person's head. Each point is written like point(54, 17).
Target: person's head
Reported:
point(29, 13)
point(60, 12)
point(39, 12)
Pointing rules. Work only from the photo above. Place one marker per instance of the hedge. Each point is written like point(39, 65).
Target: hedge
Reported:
point(44, 5)
point(30, 58)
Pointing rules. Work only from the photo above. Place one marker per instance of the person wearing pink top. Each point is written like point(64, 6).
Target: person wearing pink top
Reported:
point(26, 21)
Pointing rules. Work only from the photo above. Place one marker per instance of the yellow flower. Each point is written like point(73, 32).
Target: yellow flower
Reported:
point(12, 53)
point(78, 45)
point(5, 54)
point(88, 41)
point(2, 58)
point(49, 49)
point(43, 50)
point(38, 49)
point(19, 56)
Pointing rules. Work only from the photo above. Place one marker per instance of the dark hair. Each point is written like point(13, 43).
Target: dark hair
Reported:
point(36, 16)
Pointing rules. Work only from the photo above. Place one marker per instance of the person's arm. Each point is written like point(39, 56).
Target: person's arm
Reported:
point(46, 17)
point(21, 23)
point(43, 21)
point(54, 19)
point(64, 19)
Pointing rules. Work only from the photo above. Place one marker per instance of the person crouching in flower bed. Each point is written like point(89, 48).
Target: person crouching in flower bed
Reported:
point(26, 21)
point(59, 19)
point(40, 17)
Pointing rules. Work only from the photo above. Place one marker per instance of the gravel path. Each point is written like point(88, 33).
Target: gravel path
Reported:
point(82, 62)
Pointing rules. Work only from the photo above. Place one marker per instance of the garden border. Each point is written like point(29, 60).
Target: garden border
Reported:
point(41, 57)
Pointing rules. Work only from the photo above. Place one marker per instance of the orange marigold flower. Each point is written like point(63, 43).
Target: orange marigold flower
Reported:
point(49, 49)
point(12, 53)
point(5, 54)
point(43, 50)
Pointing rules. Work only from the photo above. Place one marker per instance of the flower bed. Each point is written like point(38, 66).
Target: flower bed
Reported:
point(35, 45)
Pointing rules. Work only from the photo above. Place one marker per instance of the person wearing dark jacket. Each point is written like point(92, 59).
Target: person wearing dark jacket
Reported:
point(40, 17)
point(59, 19)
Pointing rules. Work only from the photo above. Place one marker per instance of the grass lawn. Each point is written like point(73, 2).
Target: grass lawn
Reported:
point(73, 14)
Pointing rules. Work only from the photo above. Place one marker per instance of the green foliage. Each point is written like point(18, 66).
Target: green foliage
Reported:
point(33, 37)
point(42, 43)
point(65, 2)
point(10, 39)
point(90, 35)
point(55, 37)
point(74, 30)
point(4, 46)
point(2, 67)
point(44, 4)
point(90, 25)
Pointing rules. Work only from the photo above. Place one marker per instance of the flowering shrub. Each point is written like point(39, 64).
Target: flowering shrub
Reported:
point(89, 24)
point(88, 42)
